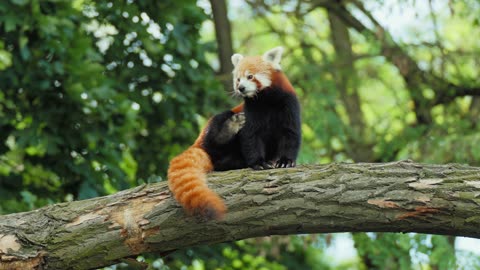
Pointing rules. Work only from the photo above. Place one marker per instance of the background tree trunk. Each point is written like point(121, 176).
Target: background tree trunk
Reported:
point(223, 34)
point(392, 197)
point(347, 81)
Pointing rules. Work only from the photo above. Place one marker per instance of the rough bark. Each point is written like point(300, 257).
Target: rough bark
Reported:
point(393, 197)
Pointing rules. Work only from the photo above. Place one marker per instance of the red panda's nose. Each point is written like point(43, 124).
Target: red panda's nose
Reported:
point(241, 89)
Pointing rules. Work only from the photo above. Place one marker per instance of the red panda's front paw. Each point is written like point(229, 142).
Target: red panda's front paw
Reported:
point(263, 166)
point(235, 123)
point(285, 163)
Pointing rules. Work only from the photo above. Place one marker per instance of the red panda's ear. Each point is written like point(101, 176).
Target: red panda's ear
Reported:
point(274, 56)
point(236, 59)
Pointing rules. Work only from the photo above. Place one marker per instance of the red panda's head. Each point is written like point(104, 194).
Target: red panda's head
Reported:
point(252, 74)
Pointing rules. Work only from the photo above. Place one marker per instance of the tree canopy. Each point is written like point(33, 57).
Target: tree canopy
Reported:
point(98, 96)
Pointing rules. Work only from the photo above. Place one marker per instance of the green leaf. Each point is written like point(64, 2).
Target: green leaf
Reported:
point(20, 2)
point(5, 59)
point(10, 23)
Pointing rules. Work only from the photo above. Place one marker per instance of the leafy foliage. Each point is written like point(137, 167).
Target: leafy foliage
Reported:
point(388, 127)
point(95, 97)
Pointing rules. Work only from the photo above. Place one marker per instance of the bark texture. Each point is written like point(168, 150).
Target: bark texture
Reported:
point(393, 197)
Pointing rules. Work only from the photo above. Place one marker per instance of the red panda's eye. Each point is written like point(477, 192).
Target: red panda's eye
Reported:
point(250, 77)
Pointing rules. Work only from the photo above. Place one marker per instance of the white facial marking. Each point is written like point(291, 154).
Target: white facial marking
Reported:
point(246, 87)
point(264, 79)
point(247, 84)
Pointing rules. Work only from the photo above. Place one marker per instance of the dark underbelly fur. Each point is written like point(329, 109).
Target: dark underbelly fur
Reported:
point(271, 135)
point(272, 132)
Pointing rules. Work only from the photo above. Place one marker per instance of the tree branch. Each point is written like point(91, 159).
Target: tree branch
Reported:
point(392, 197)
point(415, 78)
point(452, 91)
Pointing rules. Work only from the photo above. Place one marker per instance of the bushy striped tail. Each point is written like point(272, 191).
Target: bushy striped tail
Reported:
point(187, 179)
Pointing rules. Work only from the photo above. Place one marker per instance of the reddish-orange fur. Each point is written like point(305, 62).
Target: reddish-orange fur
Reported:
point(238, 108)
point(280, 80)
point(187, 179)
point(255, 64)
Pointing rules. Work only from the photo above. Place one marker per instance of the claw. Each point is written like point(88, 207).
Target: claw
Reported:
point(285, 163)
point(268, 165)
point(263, 166)
point(257, 167)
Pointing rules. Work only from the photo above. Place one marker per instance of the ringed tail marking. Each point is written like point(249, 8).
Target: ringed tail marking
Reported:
point(187, 179)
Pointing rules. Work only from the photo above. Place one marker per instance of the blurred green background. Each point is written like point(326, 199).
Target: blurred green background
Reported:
point(98, 96)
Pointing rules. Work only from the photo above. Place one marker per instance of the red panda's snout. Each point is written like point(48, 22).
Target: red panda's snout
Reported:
point(248, 86)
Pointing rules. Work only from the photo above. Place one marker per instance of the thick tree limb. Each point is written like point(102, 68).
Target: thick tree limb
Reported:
point(392, 197)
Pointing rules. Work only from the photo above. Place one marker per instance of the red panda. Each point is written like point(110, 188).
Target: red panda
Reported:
point(271, 135)
point(262, 133)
